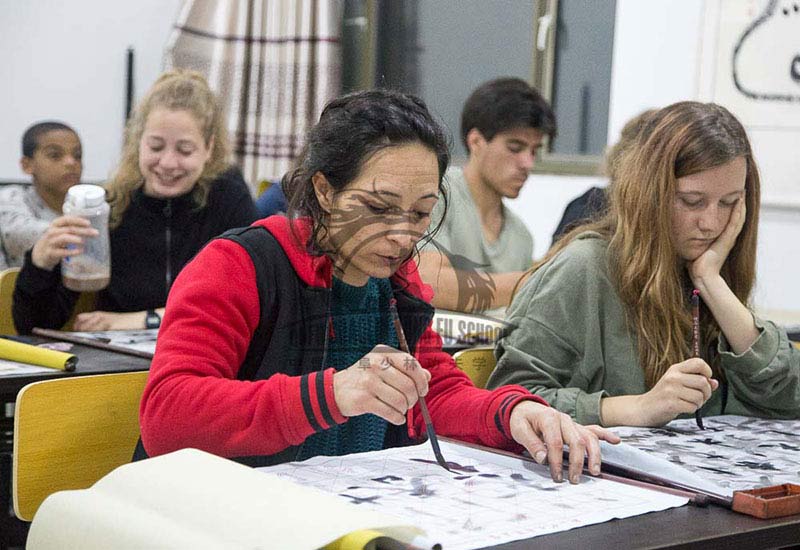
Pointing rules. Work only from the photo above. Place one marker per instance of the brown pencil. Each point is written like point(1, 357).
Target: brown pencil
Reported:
point(696, 343)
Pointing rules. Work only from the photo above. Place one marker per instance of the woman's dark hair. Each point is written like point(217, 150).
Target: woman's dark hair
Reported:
point(351, 129)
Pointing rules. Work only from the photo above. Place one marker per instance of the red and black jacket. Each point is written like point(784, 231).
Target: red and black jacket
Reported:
point(240, 367)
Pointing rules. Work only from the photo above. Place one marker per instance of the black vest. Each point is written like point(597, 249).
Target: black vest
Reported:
point(292, 334)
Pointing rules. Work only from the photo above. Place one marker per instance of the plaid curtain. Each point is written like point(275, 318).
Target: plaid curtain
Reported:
point(274, 64)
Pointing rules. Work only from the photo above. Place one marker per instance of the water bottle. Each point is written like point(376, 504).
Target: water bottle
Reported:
point(91, 270)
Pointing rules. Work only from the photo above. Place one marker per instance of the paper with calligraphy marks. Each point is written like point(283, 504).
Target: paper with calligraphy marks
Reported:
point(140, 340)
point(735, 452)
point(487, 499)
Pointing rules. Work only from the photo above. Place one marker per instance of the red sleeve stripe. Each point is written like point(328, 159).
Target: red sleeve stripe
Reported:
point(323, 402)
point(506, 402)
point(501, 411)
point(498, 422)
point(305, 398)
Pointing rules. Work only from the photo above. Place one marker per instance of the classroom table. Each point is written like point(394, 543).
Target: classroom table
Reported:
point(90, 361)
point(687, 527)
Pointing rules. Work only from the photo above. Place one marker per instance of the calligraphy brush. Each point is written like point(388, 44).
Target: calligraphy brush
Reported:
point(696, 343)
point(401, 337)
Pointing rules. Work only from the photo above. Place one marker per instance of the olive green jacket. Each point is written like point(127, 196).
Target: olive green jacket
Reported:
point(570, 344)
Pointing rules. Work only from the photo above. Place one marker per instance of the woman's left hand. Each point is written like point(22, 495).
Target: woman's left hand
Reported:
point(709, 263)
point(544, 431)
point(106, 320)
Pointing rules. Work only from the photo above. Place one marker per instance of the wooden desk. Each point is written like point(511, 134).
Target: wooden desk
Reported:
point(687, 527)
point(90, 361)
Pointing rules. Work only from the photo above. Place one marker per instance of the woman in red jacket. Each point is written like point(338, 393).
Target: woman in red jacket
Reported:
point(278, 342)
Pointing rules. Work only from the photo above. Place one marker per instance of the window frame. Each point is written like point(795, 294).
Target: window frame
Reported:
point(545, 20)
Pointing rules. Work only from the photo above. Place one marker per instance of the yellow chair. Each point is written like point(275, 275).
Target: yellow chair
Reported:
point(8, 278)
point(478, 363)
point(70, 432)
point(263, 185)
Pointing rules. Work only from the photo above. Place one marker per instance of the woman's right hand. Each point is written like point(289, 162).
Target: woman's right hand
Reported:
point(63, 238)
point(385, 382)
point(681, 390)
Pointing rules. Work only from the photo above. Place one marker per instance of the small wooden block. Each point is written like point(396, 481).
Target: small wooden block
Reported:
point(768, 502)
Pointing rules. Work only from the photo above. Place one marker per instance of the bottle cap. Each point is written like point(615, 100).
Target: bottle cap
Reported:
point(85, 195)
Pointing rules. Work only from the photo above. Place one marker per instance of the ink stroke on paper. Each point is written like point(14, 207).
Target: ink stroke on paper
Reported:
point(735, 452)
point(486, 500)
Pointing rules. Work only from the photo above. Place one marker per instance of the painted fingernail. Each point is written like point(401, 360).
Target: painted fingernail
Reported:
point(540, 456)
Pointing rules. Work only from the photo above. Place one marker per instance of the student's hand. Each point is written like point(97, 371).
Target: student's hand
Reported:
point(385, 382)
point(544, 431)
point(106, 320)
point(681, 390)
point(63, 238)
point(709, 263)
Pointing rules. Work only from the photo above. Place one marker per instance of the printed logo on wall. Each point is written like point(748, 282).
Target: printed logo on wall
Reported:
point(750, 64)
point(766, 58)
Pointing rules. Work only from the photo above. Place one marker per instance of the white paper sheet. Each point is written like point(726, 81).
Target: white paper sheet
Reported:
point(734, 452)
point(14, 368)
point(649, 463)
point(489, 499)
point(191, 499)
point(140, 340)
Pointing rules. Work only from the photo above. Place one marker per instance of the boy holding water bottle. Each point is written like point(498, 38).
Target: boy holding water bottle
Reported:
point(52, 156)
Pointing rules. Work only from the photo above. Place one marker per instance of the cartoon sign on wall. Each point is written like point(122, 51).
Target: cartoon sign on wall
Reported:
point(750, 63)
point(766, 58)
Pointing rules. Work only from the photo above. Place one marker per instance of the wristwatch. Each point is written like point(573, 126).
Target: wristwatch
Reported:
point(152, 319)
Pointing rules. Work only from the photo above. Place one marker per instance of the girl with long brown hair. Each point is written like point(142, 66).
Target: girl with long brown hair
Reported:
point(171, 193)
point(602, 326)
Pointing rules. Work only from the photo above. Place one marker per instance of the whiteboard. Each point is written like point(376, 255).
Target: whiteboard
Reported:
point(750, 63)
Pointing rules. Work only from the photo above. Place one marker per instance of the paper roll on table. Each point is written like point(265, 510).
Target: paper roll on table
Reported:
point(34, 355)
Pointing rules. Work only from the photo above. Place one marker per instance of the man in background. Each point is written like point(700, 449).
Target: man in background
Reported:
point(482, 249)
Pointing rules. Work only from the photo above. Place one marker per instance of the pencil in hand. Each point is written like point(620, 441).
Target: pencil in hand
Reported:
point(696, 343)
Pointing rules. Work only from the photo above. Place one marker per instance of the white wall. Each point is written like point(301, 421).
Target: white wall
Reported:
point(542, 201)
point(66, 60)
point(655, 63)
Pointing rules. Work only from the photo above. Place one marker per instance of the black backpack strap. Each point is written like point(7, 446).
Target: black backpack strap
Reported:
point(260, 245)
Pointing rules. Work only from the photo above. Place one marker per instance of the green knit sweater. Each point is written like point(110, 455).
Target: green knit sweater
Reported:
point(572, 346)
point(361, 320)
